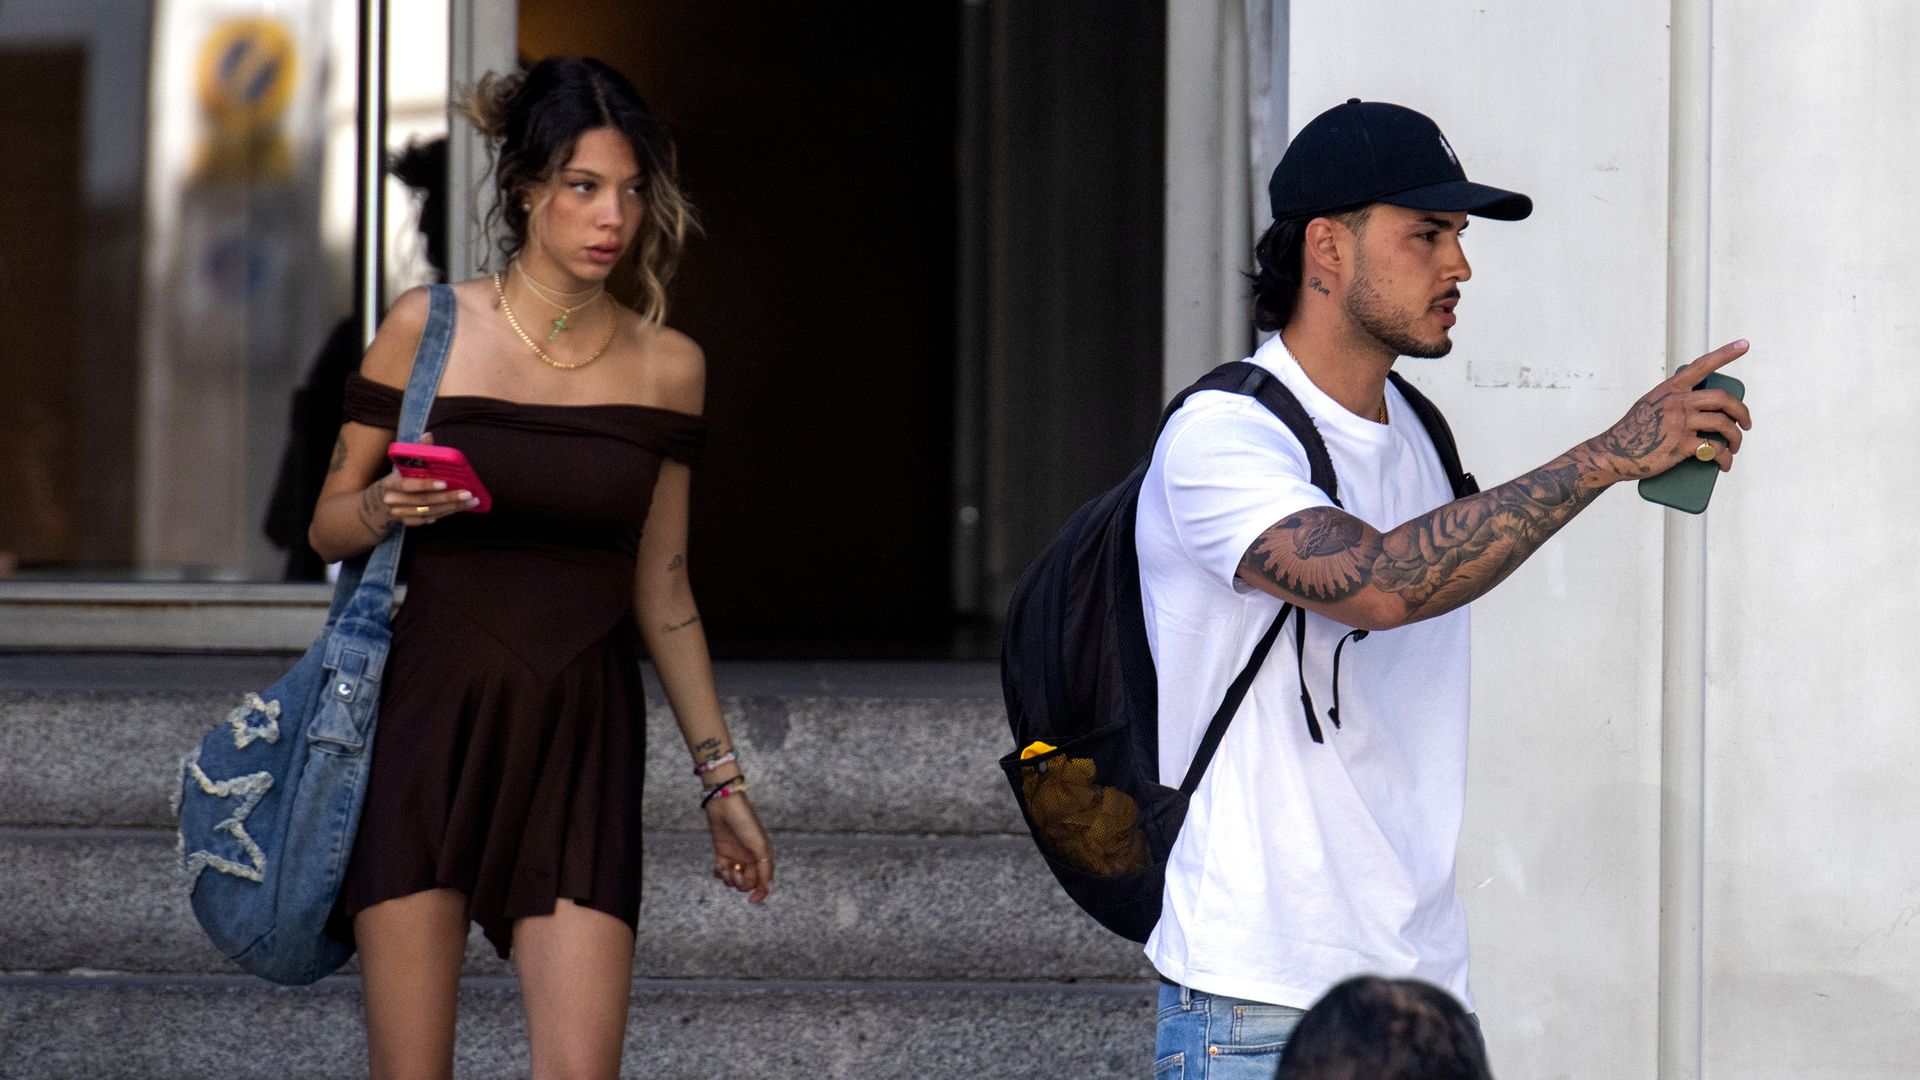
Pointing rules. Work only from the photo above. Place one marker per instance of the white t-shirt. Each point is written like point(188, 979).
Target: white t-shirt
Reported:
point(1300, 864)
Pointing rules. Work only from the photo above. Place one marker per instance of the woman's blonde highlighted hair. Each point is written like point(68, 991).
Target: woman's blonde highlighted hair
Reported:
point(532, 121)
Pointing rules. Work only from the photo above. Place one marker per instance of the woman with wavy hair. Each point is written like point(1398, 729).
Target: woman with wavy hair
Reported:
point(507, 766)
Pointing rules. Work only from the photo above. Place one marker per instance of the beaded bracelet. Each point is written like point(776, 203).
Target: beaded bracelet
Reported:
point(711, 764)
point(737, 785)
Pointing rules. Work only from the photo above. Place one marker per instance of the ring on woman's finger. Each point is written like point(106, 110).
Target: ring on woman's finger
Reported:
point(1706, 451)
point(423, 511)
point(737, 868)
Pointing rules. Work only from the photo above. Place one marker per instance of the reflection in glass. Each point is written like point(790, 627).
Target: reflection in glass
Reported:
point(180, 235)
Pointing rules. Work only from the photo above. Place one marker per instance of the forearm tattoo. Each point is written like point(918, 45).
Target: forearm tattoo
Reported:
point(671, 627)
point(1444, 558)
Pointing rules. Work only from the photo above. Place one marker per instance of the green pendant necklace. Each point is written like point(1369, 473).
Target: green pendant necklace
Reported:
point(565, 322)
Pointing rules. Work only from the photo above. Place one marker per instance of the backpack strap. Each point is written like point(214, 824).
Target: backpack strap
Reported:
point(1241, 377)
point(1254, 381)
point(1437, 430)
point(1236, 692)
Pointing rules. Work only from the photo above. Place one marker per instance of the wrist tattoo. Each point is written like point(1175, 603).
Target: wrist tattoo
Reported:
point(710, 747)
point(370, 508)
point(676, 563)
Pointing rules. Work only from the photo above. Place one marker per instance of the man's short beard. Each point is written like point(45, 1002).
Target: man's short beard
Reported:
point(1372, 313)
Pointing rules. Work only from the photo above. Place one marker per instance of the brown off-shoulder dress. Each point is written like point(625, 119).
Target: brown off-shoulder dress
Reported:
point(511, 740)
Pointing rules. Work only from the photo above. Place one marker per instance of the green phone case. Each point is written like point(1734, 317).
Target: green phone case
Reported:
point(1688, 485)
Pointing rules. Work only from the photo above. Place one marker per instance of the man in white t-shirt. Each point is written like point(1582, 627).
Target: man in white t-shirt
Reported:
point(1302, 863)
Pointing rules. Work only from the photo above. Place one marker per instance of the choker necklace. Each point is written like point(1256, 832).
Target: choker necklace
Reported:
point(613, 322)
point(558, 299)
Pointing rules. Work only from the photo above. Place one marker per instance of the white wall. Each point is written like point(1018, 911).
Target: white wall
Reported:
point(1803, 239)
point(1813, 775)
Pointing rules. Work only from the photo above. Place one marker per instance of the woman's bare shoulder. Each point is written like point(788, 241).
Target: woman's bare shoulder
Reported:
point(676, 367)
point(389, 359)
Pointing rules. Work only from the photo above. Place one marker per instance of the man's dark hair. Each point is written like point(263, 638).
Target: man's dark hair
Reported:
point(1276, 278)
point(1370, 1028)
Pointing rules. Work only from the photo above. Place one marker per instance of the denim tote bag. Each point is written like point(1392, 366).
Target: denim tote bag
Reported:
point(269, 802)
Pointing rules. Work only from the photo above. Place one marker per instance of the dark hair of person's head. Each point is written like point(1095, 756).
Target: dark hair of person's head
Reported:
point(533, 120)
point(1370, 1028)
point(1276, 256)
point(422, 166)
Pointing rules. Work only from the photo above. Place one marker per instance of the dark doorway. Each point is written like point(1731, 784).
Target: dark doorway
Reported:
point(67, 368)
point(929, 293)
point(818, 142)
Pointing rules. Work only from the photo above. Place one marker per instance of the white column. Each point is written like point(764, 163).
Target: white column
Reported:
point(1683, 624)
point(484, 35)
point(1812, 678)
point(1208, 223)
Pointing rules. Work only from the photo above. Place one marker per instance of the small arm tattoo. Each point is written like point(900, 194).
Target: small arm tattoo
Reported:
point(676, 563)
point(371, 509)
point(339, 455)
point(671, 627)
point(707, 746)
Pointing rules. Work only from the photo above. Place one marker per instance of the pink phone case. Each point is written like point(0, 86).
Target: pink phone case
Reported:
point(425, 461)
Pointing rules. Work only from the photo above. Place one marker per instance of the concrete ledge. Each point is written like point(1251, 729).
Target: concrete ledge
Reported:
point(872, 907)
point(183, 615)
point(820, 762)
point(230, 1029)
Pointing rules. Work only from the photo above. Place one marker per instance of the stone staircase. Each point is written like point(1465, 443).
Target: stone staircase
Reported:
point(913, 931)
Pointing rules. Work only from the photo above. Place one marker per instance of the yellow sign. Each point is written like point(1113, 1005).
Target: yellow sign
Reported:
point(246, 79)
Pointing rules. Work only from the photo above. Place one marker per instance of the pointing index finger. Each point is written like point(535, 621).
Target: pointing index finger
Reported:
point(1690, 377)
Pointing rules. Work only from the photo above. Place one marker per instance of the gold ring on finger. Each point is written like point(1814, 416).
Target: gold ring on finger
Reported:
point(737, 868)
point(423, 511)
point(1706, 451)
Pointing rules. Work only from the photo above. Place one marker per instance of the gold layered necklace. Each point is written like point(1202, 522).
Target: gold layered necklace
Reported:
point(613, 323)
point(560, 300)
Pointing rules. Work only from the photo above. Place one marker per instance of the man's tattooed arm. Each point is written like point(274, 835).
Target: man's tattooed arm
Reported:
point(1425, 567)
point(1342, 567)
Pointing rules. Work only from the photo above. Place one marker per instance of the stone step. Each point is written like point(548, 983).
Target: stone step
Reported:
point(851, 747)
point(218, 1028)
point(845, 907)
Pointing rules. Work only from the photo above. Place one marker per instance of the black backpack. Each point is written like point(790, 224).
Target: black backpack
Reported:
point(1078, 677)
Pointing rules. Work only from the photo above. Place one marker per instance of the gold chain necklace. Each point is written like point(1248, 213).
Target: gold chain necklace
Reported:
point(613, 322)
point(563, 323)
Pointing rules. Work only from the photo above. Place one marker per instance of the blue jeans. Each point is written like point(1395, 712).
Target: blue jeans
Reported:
point(1202, 1035)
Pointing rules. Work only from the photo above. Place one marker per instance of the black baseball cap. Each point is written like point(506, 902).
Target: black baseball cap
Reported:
point(1372, 151)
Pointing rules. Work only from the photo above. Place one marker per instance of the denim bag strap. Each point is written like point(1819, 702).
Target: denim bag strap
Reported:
point(365, 586)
